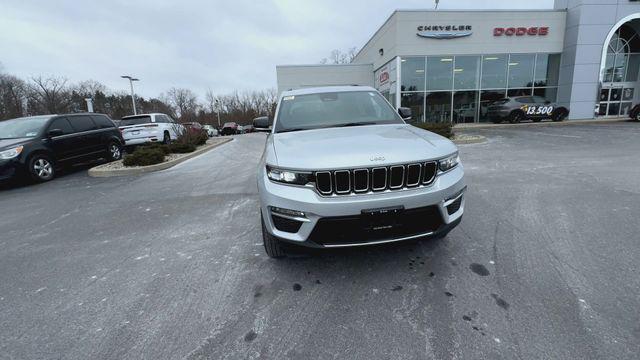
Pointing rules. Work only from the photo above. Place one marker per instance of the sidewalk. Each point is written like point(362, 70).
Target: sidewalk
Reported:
point(473, 126)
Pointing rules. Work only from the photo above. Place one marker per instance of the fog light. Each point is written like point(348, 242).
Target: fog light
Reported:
point(456, 194)
point(287, 212)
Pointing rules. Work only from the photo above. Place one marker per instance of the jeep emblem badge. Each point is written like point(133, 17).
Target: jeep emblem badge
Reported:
point(377, 158)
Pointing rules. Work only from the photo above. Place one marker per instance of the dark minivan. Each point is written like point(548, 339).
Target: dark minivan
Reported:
point(37, 145)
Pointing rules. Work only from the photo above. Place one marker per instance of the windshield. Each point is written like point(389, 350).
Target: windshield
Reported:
point(135, 120)
point(334, 109)
point(500, 102)
point(25, 127)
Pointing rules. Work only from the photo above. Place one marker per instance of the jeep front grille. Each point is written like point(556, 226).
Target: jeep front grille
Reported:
point(363, 180)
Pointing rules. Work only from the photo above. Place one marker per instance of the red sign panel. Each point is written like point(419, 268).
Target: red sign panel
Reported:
point(521, 31)
point(384, 77)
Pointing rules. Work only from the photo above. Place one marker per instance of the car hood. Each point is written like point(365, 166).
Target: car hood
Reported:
point(9, 143)
point(358, 146)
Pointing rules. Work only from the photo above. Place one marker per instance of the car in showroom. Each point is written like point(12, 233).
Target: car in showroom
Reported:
point(229, 128)
point(149, 128)
point(37, 146)
point(342, 168)
point(519, 108)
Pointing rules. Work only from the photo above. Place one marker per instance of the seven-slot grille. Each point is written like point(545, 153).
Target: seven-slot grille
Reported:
point(342, 182)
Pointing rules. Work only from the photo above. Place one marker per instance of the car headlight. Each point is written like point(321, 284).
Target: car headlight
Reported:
point(288, 176)
point(449, 163)
point(11, 153)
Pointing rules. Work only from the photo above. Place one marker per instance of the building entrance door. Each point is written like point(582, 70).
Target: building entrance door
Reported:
point(615, 99)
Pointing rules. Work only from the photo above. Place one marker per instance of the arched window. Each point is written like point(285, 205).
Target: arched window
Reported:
point(623, 56)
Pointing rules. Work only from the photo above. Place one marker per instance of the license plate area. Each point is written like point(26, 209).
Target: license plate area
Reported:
point(382, 219)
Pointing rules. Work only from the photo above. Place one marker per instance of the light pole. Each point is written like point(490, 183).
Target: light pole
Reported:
point(218, 110)
point(133, 99)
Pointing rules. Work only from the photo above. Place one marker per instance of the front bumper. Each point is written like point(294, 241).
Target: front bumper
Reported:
point(9, 169)
point(444, 191)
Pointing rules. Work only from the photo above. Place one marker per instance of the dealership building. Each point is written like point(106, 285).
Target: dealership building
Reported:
point(449, 65)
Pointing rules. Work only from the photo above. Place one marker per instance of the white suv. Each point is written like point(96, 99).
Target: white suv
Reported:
point(341, 168)
point(149, 128)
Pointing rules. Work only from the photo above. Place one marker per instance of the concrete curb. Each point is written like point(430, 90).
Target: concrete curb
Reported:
point(466, 127)
point(98, 172)
point(478, 139)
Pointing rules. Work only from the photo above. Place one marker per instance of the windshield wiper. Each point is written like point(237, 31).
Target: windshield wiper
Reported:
point(356, 124)
point(292, 129)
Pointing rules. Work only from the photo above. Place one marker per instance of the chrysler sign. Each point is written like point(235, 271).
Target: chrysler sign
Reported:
point(444, 31)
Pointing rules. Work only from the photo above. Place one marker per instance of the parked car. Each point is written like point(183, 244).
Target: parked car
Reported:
point(248, 129)
point(149, 128)
point(229, 128)
point(342, 168)
point(634, 113)
point(211, 131)
point(519, 108)
point(194, 127)
point(37, 146)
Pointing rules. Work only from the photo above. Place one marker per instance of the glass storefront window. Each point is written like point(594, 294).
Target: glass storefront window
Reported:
point(494, 71)
point(459, 88)
point(549, 94)
point(466, 72)
point(620, 68)
point(465, 106)
point(547, 70)
point(414, 101)
point(413, 74)
point(521, 71)
point(486, 98)
point(438, 107)
point(608, 68)
point(439, 73)
point(633, 67)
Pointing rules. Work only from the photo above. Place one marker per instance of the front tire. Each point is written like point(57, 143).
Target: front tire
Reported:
point(114, 151)
point(166, 139)
point(272, 246)
point(41, 168)
point(516, 117)
point(559, 115)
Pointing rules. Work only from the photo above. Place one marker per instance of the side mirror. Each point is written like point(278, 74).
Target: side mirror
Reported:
point(55, 132)
point(262, 123)
point(405, 113)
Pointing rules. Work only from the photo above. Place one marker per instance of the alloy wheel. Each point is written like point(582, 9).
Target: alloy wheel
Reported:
point(43, 168)
point(115, 152)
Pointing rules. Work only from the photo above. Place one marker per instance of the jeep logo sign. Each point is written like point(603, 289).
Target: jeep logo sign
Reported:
point(521, 31)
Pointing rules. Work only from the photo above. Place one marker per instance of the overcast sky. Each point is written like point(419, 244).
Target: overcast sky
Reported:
point(202, 44)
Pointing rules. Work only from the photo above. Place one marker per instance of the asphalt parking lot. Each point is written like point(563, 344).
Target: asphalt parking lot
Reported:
point(170, 265)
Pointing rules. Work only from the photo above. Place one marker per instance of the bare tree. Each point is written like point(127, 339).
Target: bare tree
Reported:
point(13, 97)
point(48, 95)
point(339, 57)
point(185, 102)
point(89, 87)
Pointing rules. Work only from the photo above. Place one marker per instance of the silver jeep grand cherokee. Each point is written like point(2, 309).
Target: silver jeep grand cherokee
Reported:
point(342, 168)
